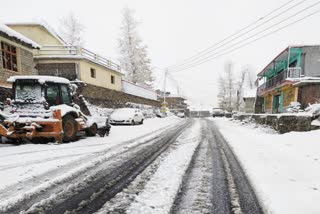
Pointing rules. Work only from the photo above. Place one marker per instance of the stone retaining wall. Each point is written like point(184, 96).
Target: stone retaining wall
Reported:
point(4, 93)
point(113, 99)
point(281, 123)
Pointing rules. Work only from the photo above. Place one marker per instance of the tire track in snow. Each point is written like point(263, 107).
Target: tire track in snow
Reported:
point(204, 188)
point(91, 193)
point(19, 196)
point(215, 182)
point(242, 196)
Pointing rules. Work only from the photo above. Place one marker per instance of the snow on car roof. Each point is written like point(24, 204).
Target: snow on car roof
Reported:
point(11, 33)
point(41, 79)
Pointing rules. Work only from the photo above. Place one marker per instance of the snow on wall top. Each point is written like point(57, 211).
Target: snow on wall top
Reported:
point(41, 79)
point(131, 88)
point(11, 33)
point(249, 93)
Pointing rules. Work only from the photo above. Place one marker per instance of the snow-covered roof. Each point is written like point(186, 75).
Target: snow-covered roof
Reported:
point(14, 34)
point(41, 79)
point(249, 93)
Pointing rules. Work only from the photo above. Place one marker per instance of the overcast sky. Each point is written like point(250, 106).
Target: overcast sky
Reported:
point(174, 30)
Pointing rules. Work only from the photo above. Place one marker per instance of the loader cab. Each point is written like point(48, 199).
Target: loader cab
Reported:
point(43, 90)
point(57, 94)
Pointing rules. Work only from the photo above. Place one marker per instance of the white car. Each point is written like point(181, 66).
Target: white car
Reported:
point(181, 114)
point(127, 116)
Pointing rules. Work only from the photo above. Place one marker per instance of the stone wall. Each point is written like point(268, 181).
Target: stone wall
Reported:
point(113, 99)
point(4, 93)
point(280, 123)
point(66, 70)
point(308, 94)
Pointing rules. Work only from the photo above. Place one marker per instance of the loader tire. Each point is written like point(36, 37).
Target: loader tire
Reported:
point(69, 128)
point(92, 130)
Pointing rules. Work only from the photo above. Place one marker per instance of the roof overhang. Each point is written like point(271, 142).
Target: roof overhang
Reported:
point(13, 35)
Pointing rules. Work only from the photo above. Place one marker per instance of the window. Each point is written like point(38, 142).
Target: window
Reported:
point(112, 79)
point(52, 94)
point(65, 94)
point(93, 73)
point(9, 57)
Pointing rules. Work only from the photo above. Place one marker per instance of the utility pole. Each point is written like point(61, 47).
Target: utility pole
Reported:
point(165, 84)
point(164, 103)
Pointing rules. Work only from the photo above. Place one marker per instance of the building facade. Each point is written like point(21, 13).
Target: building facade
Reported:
point(175, 103)
point(292, 76)
point(16, 58)
point(57, 58)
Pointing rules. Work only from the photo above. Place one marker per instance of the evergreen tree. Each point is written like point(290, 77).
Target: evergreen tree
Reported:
point(133, 54)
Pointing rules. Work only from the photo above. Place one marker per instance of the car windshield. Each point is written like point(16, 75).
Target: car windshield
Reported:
point(28, 92)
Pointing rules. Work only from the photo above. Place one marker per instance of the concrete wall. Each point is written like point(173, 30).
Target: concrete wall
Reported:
point(311, 64)
point(103, 75)
point(249, 104)
point(24, 62)
point(113, 99)
point(36, 33)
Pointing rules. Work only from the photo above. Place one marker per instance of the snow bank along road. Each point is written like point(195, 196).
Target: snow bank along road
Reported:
point(186, 167)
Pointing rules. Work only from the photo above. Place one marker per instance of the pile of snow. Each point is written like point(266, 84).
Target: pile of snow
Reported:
point(294, 107)
point(40, 79)
point(11, 33)
point(250, 93)
point(314, 109)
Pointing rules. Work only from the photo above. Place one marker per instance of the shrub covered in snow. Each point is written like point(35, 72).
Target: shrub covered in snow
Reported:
point(294, 107)
point(314, 109)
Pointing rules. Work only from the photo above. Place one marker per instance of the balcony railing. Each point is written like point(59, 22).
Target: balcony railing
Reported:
point(289, 73)
point(76, 51)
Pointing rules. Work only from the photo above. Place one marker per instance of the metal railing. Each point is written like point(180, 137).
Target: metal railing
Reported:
point(289, 73)
point(76, 51)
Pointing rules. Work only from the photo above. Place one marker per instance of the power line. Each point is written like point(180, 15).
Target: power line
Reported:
point(239, 31)
point(236, 48)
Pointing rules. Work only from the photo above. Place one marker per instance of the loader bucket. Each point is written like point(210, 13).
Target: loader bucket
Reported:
point(34, 128)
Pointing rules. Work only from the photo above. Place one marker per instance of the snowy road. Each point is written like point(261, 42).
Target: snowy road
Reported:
point(181, 166)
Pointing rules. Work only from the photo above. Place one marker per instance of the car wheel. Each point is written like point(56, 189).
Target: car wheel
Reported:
point(132, 122)
point(92, 130)
point(69, 128)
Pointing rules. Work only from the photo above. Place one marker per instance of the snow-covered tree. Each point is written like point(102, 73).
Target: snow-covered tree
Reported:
point(222, 94)
point(229, 85)
point(133, 54)
point(251, 78)
point(71, 30)
point(240, 85)
point(226, 94)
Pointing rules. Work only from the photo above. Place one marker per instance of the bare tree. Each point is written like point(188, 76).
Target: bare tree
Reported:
point(133, 54)
point(71, 30)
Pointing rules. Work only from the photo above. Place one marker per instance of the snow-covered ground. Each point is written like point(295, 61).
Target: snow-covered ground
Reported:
point(283, 169)
point(19, 163)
